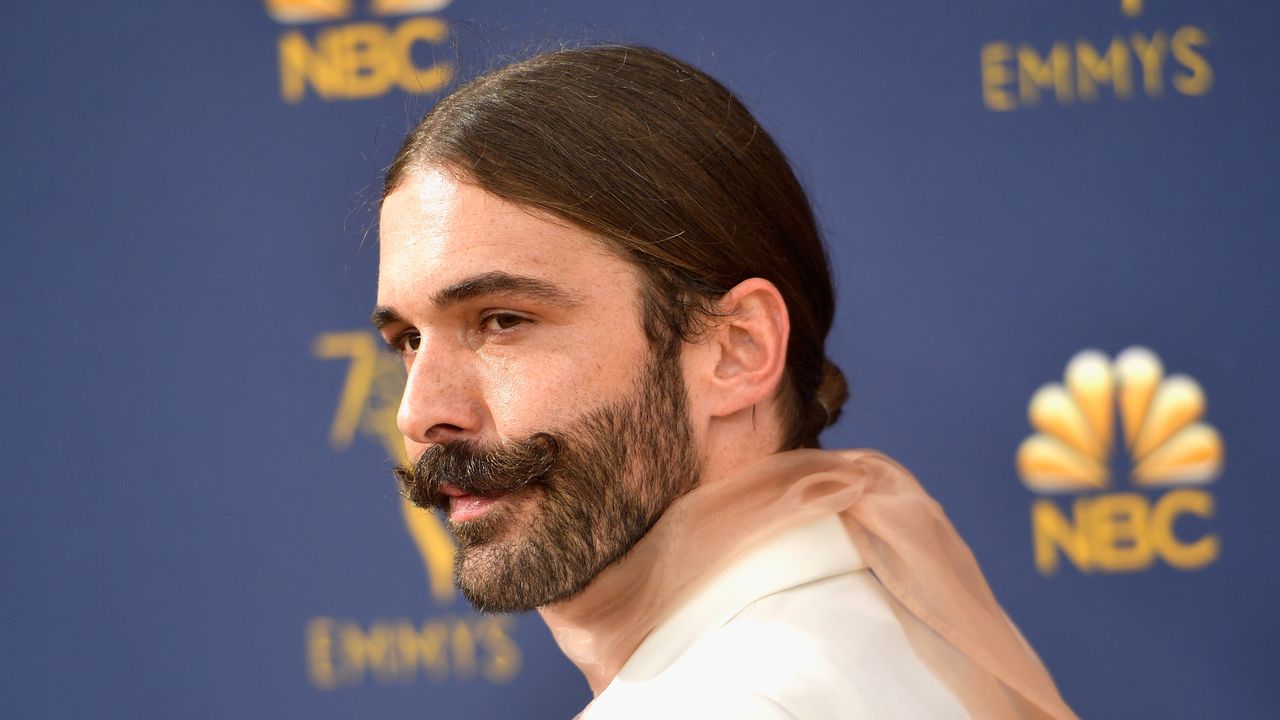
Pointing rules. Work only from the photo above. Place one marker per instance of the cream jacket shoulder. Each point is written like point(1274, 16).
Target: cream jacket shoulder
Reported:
point(796, 628)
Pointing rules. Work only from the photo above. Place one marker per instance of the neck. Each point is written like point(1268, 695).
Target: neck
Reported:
point(601, 627)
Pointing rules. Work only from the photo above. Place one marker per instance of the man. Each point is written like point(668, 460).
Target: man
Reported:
point(611, 299)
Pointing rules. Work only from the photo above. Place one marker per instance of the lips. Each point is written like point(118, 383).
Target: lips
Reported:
point(464, 506)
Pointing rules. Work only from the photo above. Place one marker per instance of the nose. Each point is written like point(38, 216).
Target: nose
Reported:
point(441, 402)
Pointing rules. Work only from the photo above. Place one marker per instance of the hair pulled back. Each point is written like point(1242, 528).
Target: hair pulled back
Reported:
point(671, 171)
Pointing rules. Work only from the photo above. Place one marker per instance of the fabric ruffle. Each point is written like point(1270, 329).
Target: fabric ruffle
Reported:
point(947, 609)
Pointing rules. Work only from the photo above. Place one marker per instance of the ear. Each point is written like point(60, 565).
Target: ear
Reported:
point(749, 341)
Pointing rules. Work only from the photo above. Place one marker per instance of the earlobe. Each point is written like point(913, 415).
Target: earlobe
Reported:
point(752, 342)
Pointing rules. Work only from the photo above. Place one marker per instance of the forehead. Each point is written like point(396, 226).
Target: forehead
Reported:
point(436, 230)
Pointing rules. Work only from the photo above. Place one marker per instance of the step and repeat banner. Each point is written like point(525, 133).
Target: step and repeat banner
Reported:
point(1054, 229)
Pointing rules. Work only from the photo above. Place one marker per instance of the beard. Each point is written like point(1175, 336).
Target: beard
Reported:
point(576, 498)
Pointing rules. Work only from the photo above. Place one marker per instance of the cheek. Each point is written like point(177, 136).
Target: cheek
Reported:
point(528, 397)
point(507, 396)
point(534, 393)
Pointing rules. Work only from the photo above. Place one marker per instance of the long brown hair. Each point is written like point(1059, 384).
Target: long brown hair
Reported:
point(669, 169)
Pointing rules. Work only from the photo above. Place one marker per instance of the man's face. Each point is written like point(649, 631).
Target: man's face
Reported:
point(541, 418)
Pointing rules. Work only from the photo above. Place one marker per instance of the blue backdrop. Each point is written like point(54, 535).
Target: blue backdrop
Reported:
point(197, 518)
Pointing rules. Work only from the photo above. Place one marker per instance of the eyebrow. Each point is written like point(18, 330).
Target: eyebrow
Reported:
point(494, 283)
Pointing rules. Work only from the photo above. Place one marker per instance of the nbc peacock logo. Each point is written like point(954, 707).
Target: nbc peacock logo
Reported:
point(1161, 444)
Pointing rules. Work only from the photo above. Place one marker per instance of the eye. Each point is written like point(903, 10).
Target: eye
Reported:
point(501, 322)
point(406, 342)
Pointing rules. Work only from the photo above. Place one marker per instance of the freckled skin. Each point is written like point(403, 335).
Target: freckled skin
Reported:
point(471, 380)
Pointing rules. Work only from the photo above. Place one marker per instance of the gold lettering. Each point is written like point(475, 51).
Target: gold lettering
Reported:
point(361, 60)
point(426, 648)
point(1113, 68)
point(413, 79)
point(301, 64)
point(504, 659)
point(1184, 556)
point(1184, 43)
point(996, 76)
point(363, 353)
point(342, 653)
point(1151, 55)
point(360, 50)
point(1122, 532)
point(320, 654)
point(1077, 71)
point(1118, 532)
point(464, 650)
point(1036, 74)
point(373, 650)
point(1052, 531)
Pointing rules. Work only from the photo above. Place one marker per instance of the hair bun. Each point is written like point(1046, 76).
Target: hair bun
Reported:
point(832, 393)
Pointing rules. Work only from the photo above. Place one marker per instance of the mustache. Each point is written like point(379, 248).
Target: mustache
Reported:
point(477, 469)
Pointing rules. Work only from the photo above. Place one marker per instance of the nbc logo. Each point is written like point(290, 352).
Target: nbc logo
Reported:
point(346, 60)
point(1169, 450)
